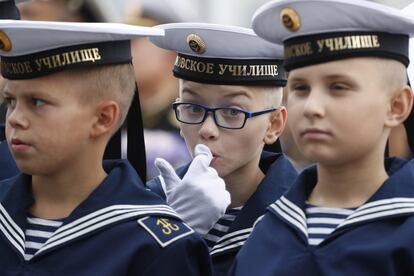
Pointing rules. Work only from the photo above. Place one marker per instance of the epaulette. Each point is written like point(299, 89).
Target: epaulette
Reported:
point(165, 230)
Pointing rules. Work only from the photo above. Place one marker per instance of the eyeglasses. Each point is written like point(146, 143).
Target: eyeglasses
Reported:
point(230, 118)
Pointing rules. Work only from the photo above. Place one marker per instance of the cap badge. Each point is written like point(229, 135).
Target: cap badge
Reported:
point(196, 43)
point(290, 19)
point(5, 42)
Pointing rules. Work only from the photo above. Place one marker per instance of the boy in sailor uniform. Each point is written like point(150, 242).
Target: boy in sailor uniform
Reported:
point(352, 213)
point(229, 107)
point(69, 87)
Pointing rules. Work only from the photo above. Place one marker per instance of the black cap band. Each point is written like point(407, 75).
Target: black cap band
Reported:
point(313, 49)
point(65, 58)
point(230, 71)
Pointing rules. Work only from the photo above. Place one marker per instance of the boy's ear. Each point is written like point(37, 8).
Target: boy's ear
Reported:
point(276, 125)
point(107, 116)
point(400, 108)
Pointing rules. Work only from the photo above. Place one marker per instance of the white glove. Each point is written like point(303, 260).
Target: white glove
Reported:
point(200, 198)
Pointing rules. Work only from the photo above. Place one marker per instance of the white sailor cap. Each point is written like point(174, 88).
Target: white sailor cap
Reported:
point(315, 31)
point(220, 54)
point(31, 49)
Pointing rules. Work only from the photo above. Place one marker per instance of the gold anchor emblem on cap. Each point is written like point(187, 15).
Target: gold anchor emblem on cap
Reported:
point(196, 43)
point(290, 19)
point(5, 42)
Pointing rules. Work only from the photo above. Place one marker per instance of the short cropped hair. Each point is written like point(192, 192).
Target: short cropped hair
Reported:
point(274, 94)
point(114, 82)
point(393, 74)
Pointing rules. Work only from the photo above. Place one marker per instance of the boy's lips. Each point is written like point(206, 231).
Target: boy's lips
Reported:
point(215, 156)
point(18, 145)
point(314, 133)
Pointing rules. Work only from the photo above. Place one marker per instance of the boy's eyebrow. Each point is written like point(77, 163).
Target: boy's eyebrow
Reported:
point(188, 90)
point(327, 77)
point(296, 79)
point(239, 93)
point(230, 94)
point(30, 93)
point(336, 76)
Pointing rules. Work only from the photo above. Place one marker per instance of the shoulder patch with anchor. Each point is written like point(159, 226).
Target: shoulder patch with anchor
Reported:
point(165, 230)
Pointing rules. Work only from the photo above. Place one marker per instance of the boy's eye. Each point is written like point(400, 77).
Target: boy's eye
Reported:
point(38, 102)
point(232, 112)
point(192, 108)
point(299, 87)
point(10, 102)
point(339, 86)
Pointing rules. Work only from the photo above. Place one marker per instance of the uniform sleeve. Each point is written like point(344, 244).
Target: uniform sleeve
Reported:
point(188, 256)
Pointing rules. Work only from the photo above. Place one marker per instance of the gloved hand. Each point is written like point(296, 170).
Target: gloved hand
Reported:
point(200, 198)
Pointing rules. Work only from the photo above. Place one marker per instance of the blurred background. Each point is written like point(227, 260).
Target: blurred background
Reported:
point(157, 87)
point(236, 12)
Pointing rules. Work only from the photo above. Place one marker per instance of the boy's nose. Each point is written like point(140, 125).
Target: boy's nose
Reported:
point(16, 119)
point(314, 105)
point(209, 130)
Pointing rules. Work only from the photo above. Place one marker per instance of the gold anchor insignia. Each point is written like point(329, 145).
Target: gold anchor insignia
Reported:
point(5, 42)
point(196, 43)
point(167, 227)
point(290, 19)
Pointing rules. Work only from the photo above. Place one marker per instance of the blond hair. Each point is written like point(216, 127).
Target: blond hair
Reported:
point(114, 82)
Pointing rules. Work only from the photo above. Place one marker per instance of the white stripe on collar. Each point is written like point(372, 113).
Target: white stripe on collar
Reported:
point(382, 205)
point(257, 221)
point(104, 214)
point(294, 208)
point(230, 238)
point(81, 227)
point(11, 230)
point(294, 215)
point(388, 213)
point(385, 202)
point(230, 243)
point(231, 246)
point(235, 233)
point(372, 210)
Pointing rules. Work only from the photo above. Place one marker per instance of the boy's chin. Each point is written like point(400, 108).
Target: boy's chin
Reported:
point(30, 169)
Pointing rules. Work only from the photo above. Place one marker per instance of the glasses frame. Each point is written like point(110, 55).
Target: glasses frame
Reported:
point(247, 114)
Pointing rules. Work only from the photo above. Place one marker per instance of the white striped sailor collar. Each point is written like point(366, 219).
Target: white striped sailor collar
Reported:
point(394, 198)
point(279, 177)
point(120, 197)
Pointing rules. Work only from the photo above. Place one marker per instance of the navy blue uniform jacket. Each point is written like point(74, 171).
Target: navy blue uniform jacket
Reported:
point(280, 174)
point(120, 229)
point(377, 239)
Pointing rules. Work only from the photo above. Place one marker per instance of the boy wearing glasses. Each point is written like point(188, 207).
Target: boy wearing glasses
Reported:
point(229, 107)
